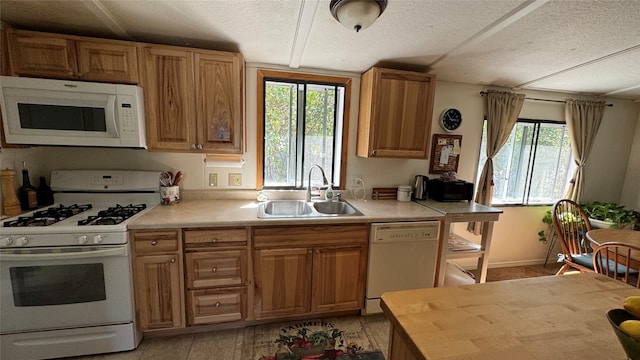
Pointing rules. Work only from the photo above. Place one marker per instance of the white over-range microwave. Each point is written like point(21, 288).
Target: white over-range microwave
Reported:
point(71, 113)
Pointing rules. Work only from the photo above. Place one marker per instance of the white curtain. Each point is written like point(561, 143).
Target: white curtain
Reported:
point(502, 109)
point(583, 119)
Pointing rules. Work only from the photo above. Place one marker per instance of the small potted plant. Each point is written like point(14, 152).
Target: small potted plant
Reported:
point(605, 215)
point(546, 235)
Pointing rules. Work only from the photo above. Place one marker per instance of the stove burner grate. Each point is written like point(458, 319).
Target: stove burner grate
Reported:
point(113, 215)
point(48, 216)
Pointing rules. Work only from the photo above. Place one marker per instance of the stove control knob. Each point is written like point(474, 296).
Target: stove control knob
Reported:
point(6, 241)
point(22, 241)
point(97, 239)
point(82, 239)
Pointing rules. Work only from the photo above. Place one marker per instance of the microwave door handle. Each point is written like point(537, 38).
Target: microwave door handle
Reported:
point(110, 113)
point(121, 251)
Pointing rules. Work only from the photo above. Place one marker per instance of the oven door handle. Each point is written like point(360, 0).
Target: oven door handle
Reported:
point(121, 251)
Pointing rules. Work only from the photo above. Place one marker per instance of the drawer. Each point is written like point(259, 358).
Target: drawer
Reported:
point(156, 241)
point(215, 237)
point(216, 268)
point(216, 306)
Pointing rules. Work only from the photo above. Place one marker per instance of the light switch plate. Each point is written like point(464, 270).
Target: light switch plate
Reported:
point(213, 179)
point(235, 179)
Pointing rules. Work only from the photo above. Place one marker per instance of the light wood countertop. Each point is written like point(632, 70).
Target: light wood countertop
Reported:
point(209, 213)
point(553, 317)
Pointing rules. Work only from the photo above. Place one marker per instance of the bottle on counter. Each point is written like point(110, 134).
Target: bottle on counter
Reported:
point(27, 192)
point(328, 194)
point(44, 193)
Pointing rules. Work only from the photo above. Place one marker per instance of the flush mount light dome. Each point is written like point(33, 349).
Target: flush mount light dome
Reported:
point(357, 14)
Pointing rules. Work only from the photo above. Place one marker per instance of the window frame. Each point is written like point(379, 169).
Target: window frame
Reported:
point(526, 196)
point(262, 76)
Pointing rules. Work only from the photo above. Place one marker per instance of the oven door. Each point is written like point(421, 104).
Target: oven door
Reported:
point(53, 288)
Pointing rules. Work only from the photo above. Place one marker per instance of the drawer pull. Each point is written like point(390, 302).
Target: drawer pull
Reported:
point(214, 240)
point(218, 304)
point(154, 242)
point(214, 269)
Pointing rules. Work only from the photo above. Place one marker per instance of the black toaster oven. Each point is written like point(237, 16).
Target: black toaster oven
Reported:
point(450, 190)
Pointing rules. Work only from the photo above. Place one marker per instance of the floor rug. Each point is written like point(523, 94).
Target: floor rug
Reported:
point(335, 338)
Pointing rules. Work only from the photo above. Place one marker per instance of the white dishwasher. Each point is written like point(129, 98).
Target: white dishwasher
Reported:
point(402, 256)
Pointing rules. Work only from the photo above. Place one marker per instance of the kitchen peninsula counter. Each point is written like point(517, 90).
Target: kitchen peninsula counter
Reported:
point(552, 317)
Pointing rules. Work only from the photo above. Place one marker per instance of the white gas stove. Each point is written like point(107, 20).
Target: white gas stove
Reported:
point(66, 287)
point(92, 207)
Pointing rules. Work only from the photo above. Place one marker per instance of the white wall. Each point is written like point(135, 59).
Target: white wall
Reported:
point(615, 157)
point(631, 190)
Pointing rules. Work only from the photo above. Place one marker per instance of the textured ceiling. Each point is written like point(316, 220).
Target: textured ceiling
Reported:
point(587, 47)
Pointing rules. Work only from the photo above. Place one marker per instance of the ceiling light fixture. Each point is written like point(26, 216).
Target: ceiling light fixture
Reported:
point(357, 14)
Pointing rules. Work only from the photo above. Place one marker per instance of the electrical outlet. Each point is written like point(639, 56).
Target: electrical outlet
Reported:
point(235, 179)
point(213, 179)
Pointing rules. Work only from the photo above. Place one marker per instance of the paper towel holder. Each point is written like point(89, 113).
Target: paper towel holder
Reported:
point(229, 161)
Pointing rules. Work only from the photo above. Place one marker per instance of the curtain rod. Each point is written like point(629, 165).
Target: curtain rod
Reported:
point(483, 93)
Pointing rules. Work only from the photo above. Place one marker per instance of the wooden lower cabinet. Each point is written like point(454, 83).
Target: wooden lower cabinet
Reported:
point(212, 306)
point(158, 289)
point(337, 278)
point(309, 269)
point(282, 282)
point(159, 285)
point(216, 266)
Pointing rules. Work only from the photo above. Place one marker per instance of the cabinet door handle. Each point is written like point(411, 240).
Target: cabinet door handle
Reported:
point(193, 146)
point(154, 242)
point(80, 74)
point(218, 304)
point(70, 73)
point(173, 260)
point(214, 269)
point(373, 152)
point(199, 146)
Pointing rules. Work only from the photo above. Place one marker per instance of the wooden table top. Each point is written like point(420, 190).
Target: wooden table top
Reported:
point(551, 317)
point(599, 236)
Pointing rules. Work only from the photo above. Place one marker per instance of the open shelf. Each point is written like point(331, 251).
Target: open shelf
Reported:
point(455, 275)
point(460, 247)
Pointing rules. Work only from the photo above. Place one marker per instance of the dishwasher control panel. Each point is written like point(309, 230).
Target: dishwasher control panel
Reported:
point(405, 231)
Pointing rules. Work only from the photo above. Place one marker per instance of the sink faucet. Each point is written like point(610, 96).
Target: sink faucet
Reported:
point(324, 179)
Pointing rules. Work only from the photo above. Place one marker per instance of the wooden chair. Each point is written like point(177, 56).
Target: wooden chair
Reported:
point(619, 261)
point(571, 224)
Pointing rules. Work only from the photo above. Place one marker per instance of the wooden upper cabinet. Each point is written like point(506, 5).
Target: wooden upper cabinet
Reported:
point(194, 100)
point(169, 98)
point(107, 62)
point(70, 57)
point(396, 108)
point(219, 102)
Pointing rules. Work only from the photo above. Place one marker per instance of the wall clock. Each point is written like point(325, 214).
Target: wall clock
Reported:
point(450, 119)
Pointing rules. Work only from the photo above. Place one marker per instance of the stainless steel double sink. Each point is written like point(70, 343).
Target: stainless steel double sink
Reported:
point(304, 209)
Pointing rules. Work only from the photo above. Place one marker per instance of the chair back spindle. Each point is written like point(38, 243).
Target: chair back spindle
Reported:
point(618, 260)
